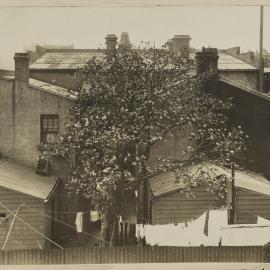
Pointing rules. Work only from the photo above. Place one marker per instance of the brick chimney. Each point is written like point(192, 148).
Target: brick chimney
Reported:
point(207, 61)
point(181, 45)
point(21, 67)
point(234, 51)
point(111, 42)
point(124, 41)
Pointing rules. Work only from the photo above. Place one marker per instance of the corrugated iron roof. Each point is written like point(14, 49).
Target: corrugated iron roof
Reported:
point(230, 62)
point(25, 180)
point(51, 88)
point(48, 87)
point(64, 60)
point(245, 235)
point(166, 182)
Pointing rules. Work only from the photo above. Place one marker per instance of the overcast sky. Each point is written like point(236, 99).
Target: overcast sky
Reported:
point(86, 27)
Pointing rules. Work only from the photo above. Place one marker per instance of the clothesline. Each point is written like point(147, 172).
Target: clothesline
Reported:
point(64, 223)
point(28, 225)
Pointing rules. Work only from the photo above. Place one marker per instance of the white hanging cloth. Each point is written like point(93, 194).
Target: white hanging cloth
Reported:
point(94, 216)
point(79, 222)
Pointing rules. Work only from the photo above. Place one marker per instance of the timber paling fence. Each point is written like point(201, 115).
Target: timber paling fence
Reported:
point(132, 254)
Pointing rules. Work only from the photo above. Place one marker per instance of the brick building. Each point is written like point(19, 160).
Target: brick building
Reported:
point(31, 112)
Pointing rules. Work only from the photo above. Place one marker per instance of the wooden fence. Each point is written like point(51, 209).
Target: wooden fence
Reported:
point(133, 254)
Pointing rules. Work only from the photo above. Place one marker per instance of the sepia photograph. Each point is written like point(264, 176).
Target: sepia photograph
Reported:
point(135, 134)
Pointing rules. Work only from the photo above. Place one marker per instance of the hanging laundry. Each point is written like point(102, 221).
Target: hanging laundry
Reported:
point(205, 230)
point(262, 221)
point(79, 222)
point(94, 216)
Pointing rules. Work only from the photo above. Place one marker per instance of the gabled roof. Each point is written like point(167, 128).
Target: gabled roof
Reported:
point(25, 180)
point(65, 59)
point(165, 183)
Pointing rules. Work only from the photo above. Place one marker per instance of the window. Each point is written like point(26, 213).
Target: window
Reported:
point(3, 219)
point(49, 128)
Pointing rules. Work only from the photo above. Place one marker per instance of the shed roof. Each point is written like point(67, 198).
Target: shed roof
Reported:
point(165, 183)
point(25, 180)
point(69, 59)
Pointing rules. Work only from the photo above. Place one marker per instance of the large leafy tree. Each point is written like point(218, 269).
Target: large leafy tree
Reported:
point(129, 102)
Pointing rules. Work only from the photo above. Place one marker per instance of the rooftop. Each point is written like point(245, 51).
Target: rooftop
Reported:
point(228, 62)
point(25, 180)
point(242, 87)
point(51, 88)
point(65, 59)
point(47, 87)
point(165, 183)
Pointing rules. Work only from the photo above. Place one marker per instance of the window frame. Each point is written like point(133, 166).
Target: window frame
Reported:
point(42, 129)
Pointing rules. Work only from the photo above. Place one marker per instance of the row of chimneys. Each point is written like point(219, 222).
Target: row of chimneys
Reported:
point(179, 45)
point(207, 59)
point(246, 56)
point(111, 41)
point(22, 59)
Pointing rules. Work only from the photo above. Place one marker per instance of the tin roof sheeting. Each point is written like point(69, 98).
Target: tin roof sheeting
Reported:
point(51, 88)
point(25, 180)
point(165, 183)
point(229, 62)
point(64, 60)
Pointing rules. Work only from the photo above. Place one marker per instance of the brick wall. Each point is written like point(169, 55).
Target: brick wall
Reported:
point(6, 116)
point(20, 119)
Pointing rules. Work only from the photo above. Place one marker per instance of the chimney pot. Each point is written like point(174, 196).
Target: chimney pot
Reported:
point(21, 67)
point(124, 41)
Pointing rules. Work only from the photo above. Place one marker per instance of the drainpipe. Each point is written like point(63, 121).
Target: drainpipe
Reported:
point(261, 74)
point(233, 212)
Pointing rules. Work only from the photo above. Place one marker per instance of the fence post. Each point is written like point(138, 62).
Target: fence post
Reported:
point(266, 253)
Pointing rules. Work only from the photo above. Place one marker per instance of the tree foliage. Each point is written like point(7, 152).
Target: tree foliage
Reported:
point(128, 104)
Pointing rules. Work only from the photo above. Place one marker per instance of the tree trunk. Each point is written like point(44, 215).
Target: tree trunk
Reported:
point(107, 222)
